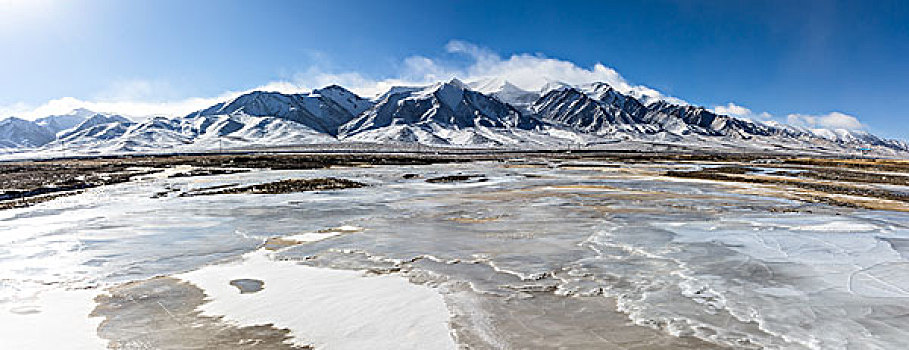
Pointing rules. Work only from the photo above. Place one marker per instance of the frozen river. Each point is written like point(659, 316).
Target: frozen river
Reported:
point(516, 255)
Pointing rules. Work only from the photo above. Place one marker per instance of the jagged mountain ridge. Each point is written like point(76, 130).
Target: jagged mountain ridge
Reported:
point(446, 113)
point(21, 133)
point(506, 92)
point(323, 110)
point(575, 109)
point(489, 113)
point(92, 123)
point(600, 109)
point(58, 123)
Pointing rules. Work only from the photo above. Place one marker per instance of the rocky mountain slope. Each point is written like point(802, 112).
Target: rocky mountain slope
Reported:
point(20, 133)
point(444, 113)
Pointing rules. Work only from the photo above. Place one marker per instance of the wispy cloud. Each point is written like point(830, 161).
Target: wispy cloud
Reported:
point(833, 120)
point(734, 110)
point(130, 108)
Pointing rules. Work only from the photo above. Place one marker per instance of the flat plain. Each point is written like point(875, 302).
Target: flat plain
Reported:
point(455, 250)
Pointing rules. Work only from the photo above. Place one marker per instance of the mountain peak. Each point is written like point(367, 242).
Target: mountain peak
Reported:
point(495, 85)
point(598, 87)
point(449, 111)
point(13, 119)
point(457, 83)
point(333, 90)
point(261, 94)
point(450, 93)
point(334, 87)
point(346, 99)
point(82, 111)
point(108, 118)
point(507, 86)
point(17, 133)
point(554, 85)
point(394, 90)
point(322, 110)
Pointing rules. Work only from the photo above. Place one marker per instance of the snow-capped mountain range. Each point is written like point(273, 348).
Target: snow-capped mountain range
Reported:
point(491, 113)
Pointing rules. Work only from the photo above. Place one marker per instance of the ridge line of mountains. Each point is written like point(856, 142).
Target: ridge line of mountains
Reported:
point(487, 114)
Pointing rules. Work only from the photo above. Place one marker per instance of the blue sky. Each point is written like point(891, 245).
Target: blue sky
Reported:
point(804, 58)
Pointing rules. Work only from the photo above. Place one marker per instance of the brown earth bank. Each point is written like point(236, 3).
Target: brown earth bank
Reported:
point(849, 184)
point(285, 186)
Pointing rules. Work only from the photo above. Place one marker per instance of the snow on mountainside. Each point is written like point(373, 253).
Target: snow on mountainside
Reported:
point(96, 129)
point(251, 130)
point(505, 92)
point(20, 133)
point(195, 132)
point(323, 110)
point(443, 113)
point(600, 109)
point(846, 136)
point(256, 118)
point(573, 108)
point(486, 113)
point(699, 120)
point(58, 123)
point(93, 122)
point(17, 134)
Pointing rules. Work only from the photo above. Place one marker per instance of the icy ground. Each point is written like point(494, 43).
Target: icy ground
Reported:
point(524, 255)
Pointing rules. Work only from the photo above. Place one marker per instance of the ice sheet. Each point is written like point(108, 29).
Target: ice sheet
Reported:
point(685, 258)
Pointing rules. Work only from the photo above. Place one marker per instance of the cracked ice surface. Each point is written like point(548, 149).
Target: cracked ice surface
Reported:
point(529, 257)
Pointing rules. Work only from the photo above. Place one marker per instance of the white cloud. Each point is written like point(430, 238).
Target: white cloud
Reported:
point(129, 108)
point(833, 120)
point(734, 110)
point(731, 109)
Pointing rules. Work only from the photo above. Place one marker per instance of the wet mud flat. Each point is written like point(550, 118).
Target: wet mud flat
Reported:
point(846, 183)
point(162, 313)
point(587, 322)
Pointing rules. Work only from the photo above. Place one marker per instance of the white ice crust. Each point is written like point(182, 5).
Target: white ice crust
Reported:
point(330, 309)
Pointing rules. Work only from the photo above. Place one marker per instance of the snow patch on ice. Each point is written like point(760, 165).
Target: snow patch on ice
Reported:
point(55, 319)
point(330, 309)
